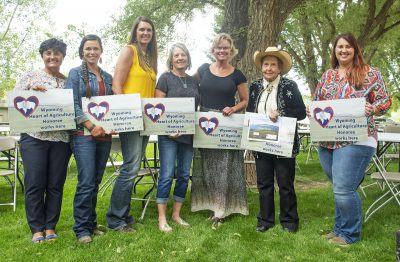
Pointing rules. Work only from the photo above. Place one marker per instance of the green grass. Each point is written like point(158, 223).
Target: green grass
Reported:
point(236, 240)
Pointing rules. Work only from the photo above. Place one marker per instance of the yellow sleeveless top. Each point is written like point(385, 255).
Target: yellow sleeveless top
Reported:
point(139, 80)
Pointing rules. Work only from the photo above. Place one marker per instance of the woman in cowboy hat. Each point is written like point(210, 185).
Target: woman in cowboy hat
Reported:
point(274, 96)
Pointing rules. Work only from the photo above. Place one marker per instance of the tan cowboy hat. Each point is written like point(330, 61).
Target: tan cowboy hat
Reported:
point(274, 51)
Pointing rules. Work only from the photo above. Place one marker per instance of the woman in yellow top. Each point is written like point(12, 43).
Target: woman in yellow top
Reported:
point(135, 72)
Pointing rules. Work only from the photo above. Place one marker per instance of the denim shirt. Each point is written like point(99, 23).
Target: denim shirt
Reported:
point(76, 83)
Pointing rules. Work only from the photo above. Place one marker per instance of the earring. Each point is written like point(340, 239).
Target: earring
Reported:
point(100, 60)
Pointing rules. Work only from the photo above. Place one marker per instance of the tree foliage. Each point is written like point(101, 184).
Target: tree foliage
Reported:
point(310, 31)
point(265, 22)
point(20, 23)
point(164, 13)
point(253, 23)
point(306, 28)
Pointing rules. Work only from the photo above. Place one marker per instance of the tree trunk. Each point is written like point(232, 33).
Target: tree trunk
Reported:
point(266, 19)
point(236, 22)
point(263, 20)
point(250, 170)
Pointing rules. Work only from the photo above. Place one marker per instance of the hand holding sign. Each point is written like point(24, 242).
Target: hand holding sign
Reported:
point(370, 109)
point(40, 88)
point(98, 131)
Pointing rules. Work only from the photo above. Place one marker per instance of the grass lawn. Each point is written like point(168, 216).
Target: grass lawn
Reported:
point(236, 240)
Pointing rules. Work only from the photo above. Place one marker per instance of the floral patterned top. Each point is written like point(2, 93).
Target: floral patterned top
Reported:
point(332, 86)
point(40, 77)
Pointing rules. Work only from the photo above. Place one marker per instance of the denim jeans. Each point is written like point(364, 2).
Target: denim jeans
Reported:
point(133, 147)
point(91, 159)
point(45, 170)
point(345, 168)
point(173, 152)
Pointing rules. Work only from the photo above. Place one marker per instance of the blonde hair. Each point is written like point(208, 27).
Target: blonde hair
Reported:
point(219, 38)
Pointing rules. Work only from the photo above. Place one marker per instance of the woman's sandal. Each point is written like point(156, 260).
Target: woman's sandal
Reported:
point(217, 222)
point(211, 218)
point(165, 228)
point(98, 232)
point(181, 222)
point(38, 239)
point(51, 237)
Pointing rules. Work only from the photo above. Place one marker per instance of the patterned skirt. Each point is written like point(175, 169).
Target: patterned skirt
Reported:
point(218, 182)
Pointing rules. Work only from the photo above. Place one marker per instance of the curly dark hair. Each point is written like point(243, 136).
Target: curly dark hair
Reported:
point(54, 44)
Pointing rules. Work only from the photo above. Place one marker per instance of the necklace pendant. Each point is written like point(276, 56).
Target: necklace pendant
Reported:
point(269, 89)
point(184, 85)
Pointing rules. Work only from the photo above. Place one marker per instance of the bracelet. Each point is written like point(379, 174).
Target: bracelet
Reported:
point(91, 128)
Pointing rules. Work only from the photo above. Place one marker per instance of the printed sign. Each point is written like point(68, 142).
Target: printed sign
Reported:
point(167, 116)
point(115, 113)
point(261, 128)
point(268, 137)
point(213, 130)
point(34, 111)
point(338, 120)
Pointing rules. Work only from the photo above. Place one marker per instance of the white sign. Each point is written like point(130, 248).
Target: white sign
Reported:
point(268, 137)
point(115, 113)
point(166, 116)
point(338, 120)
point(35, 111)
point(213, 130)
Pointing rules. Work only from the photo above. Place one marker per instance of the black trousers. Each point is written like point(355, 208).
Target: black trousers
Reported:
point(45, 170)
point(270, 166)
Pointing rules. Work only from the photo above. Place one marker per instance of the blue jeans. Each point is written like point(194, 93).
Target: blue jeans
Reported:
point(345, 168)
point(45, 170)
point(133, 147)
point(171, 152)
point(91, 159)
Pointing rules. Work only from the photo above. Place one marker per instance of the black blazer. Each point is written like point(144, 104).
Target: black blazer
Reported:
point(289, 100)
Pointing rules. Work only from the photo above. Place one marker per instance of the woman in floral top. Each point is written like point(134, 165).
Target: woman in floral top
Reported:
point(345, 162)
point(45, 154)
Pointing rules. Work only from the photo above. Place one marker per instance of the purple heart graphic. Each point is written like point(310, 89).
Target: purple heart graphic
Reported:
point(154, 112)
point(208, 125)
point(26, 106)
point(98, 111)
point(323, 116)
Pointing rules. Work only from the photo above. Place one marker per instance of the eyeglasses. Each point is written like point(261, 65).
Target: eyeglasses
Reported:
point(225, 48)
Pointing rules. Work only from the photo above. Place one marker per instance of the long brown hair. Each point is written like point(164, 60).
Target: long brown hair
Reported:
point(151, 51)
point(357, 71)
point(85, 70)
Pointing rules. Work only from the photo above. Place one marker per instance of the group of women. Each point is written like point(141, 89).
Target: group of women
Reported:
point(218, 181)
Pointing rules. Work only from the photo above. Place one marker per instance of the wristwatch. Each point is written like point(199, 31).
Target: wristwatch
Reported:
point(91, 128)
